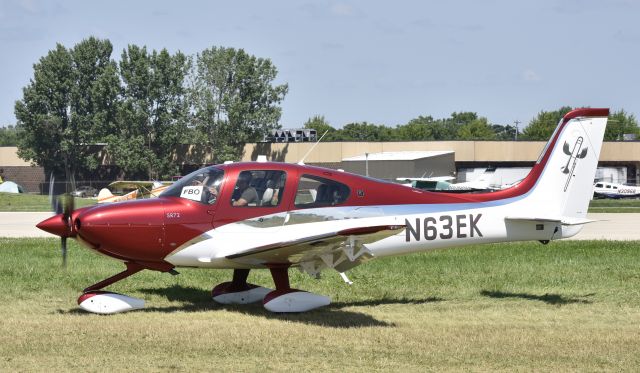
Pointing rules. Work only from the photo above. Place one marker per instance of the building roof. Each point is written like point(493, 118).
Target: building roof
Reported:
point(399, 156)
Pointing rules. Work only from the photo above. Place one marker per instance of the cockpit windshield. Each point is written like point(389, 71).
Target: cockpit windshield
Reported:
point(201, 186)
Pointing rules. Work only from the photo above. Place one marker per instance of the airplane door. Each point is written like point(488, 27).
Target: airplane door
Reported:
point(190, 214)
point(255, 199)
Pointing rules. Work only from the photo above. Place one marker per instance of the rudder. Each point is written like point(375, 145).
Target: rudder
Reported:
point(568, 165)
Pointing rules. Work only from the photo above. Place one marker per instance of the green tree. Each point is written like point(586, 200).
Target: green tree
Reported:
point(463, 117)
point(504, 133)
point(8, 136)
point(69, 104)
point(476, 129)
point(426, 128)
point(152, 116)
point(321, 126)
point(418, 129)
point(620, 123)
point(234, 100)
point(364, 131)
point(542, 126)
point(449, 128)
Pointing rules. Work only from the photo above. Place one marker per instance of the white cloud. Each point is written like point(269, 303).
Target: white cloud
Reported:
point(529, 75)
point(341, 9)
point(28, 5)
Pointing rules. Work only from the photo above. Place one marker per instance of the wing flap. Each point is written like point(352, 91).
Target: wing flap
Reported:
point(328, 246)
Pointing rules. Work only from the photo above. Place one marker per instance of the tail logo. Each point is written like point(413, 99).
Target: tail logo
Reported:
point(578, 152)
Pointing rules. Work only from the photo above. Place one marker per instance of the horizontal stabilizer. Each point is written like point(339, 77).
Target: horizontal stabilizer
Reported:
point(562, 220)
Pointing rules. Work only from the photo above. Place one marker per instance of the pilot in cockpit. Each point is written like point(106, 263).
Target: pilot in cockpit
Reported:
point(244, 194)
point(211, 185)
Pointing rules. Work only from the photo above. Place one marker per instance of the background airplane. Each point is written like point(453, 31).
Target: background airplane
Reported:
point(444, 184)
point(604, 189)
point(105, 196)
point(146, 189)
point(218, 217)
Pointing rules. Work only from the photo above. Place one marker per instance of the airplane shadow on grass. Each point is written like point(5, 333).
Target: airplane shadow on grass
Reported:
point(553, 299)
point(333, 315)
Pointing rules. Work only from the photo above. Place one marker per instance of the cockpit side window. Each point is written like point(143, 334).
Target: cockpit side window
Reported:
point(315, 191)
point(259, 188)
point(201, 186)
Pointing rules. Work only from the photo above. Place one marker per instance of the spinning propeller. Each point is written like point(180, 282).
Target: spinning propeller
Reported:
point(61, 204)
point(67, 210)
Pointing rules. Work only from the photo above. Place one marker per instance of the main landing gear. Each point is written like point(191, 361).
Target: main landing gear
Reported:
point(237, 291)
point(283, 299)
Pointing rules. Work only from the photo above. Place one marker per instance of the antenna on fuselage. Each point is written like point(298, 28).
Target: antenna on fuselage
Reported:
point(313, 147)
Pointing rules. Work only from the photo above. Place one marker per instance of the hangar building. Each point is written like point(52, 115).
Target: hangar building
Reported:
point(392, 165)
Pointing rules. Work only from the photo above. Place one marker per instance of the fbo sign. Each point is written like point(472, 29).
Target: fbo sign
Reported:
point(192, 192)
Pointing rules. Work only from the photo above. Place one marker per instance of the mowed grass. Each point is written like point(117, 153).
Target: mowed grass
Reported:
point(11, 202)
point(615, 205)
point(566, 306)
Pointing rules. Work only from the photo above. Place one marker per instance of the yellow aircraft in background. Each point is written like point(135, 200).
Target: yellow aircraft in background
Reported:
point(146, 189)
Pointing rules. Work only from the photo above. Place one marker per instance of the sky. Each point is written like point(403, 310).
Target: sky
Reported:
point(380, 62)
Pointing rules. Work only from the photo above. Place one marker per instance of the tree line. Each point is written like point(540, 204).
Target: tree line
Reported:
point(151, 105)
point(465, 126)
point(145, 108)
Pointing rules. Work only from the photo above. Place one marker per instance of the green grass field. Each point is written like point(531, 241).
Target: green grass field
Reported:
point(614, 205)
point(32, 202)
point(566, 306)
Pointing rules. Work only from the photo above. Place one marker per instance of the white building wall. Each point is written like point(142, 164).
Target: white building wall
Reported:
point(612, 174)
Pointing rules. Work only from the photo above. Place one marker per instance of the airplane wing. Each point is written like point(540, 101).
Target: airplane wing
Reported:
point(105, 196)
point(128, 184)
point(340, 250)
point(147, 188)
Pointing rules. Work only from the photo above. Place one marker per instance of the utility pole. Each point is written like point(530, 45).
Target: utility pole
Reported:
point(516, 122)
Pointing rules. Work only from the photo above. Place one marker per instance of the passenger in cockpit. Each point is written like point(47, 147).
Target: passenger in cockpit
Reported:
point(245, 194)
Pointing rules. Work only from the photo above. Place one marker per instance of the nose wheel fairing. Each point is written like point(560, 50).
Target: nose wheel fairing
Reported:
point(95, 300)
point(106, 303)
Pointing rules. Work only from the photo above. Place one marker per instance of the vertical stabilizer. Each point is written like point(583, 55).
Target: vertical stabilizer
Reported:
point(566, 169)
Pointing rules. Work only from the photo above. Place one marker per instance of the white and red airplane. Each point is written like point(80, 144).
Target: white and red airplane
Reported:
point(275, 216)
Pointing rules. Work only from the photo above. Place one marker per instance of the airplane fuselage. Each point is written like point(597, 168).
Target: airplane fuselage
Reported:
point(277, 216)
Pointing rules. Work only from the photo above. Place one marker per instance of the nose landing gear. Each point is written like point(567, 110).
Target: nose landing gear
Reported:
point(104, 302)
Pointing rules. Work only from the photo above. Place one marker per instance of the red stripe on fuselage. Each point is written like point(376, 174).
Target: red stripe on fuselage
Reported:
point(378, 193)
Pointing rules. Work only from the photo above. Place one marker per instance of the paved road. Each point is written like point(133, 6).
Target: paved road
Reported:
point(22, 224)
point(606, 227)
point(611, 227)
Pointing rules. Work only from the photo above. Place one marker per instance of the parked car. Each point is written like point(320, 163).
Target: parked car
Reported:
point(85, 191)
